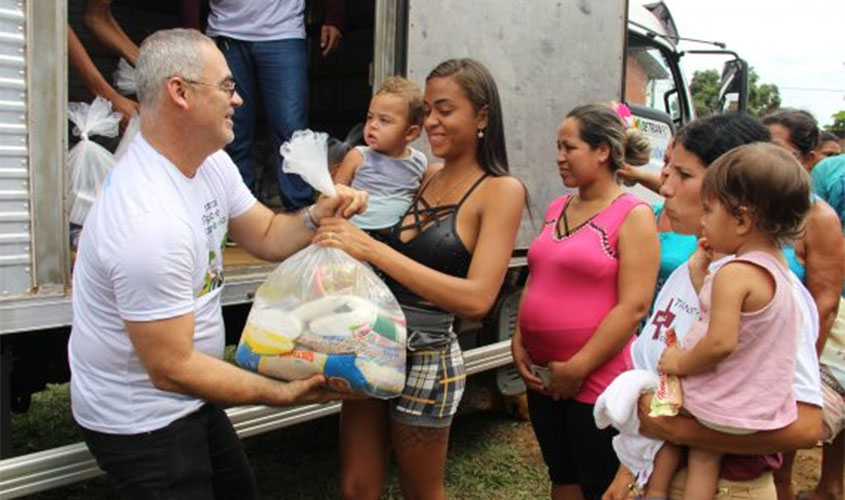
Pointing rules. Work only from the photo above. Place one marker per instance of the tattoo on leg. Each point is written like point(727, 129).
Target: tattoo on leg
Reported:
point(409, 436)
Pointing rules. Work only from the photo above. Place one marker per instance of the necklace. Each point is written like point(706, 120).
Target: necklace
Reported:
point(606, 202)
point(450, 189)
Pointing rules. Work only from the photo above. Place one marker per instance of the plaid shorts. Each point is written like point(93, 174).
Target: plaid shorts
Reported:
point(833, 414)
point(434, 383)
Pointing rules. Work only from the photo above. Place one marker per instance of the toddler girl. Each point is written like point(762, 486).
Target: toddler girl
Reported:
point(737, 361)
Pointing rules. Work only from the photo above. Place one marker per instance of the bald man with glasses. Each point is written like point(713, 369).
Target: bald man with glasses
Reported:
point(147, 380)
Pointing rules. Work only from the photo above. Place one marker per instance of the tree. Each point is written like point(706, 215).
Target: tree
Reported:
point(837, 128)
point(705, 91)
point(762, 99)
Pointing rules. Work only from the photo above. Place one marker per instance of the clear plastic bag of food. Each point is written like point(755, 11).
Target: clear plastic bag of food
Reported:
point(88, 163)
point(323, 312)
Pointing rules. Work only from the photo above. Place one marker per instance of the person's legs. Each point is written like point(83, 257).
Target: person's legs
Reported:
point(421, 459)
point(549, 421)
point(833, 469)
point(421, 416)
point(239, 58)
point(232, 476)
point(666, 463)
point(783, 477)
point(282, 69)
point(172, 462)
point(590, 450)
point(833, 452)
point(364, 448)
point(762, 488)
point(703, 476)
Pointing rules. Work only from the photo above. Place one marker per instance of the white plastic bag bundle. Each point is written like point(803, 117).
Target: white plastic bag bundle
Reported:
point(306, 154)
point(88, 163)
point(132, 129)
point(124, 78)
point(321, 311)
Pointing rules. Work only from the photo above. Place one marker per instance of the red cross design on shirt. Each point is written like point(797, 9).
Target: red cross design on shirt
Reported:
point(663, 318)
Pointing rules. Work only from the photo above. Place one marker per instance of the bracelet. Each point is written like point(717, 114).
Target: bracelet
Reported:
point(308, 219)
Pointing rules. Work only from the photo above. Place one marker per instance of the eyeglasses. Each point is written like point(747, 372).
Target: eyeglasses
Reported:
point(227, 86)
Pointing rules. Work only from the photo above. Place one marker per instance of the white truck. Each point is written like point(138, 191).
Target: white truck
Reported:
point(547, 56)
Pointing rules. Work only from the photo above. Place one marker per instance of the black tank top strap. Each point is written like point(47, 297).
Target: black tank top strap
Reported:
point(436, 244)
point(470, 190)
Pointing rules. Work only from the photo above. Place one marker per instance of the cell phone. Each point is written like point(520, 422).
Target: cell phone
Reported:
point(543, 373)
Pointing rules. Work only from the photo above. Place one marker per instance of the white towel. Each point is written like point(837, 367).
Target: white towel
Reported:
point(617, 406)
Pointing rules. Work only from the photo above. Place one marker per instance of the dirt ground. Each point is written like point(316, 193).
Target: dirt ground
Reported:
point(805, 471)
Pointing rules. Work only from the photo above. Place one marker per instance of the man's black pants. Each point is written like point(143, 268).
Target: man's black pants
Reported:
point(198, 456)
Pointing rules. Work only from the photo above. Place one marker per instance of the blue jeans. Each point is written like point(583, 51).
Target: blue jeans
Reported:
point(279, 70)
point(198, 456)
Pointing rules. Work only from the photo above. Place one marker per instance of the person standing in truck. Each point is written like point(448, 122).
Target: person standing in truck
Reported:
point(147, 335)
point(265, 47)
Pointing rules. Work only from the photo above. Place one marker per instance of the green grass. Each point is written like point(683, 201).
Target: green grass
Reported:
point(486, 459)
point(47, 424)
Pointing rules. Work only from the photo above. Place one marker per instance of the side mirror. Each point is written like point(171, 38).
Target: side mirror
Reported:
point(733, 89)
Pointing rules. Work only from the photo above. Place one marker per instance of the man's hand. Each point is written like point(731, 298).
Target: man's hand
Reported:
point(310, 390)
point(346, 203)
point(330, 37)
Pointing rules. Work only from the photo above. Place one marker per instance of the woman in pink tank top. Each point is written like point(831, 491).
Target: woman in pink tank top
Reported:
point(592, 274)
point(737, 362)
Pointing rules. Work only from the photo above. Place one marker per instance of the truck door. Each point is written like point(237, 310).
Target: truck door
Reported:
point(547, 56)
point(656, 93)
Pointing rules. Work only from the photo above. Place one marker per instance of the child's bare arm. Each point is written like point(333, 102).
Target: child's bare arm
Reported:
point(346, 172)
point(730, 288)
point(699, 263)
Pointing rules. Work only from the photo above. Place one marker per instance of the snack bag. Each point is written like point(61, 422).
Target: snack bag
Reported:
point(88, 163)
point(321, 311)
point(667, 398)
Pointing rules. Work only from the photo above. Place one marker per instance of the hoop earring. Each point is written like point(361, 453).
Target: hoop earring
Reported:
point(480, 133)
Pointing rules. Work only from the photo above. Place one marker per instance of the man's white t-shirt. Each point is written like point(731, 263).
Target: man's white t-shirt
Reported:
point(151, 249)
point(257, 20)
point(676, 306)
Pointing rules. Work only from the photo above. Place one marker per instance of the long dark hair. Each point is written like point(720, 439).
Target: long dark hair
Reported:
point(479, 86)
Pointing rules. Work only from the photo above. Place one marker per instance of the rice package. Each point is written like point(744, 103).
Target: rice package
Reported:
point(323, 312)
point(88, 163)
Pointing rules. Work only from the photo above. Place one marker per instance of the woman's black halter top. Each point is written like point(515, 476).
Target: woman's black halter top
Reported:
point(436, 244)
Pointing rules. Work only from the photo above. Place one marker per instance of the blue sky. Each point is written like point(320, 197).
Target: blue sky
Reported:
point(800, 46)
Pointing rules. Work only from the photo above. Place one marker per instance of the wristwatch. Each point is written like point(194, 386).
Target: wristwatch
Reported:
point(308, 219)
